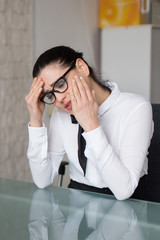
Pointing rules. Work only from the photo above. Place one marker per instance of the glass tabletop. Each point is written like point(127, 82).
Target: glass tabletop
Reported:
point(29, 213)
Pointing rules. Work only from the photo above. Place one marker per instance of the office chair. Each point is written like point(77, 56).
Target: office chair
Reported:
point(150, 189)
point(153, 177)
point(149, 186)
point(61, 172)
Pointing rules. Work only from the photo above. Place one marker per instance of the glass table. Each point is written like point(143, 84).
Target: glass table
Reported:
point(29, 213)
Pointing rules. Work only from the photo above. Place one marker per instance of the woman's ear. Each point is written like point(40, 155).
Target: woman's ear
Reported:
point(82, 67)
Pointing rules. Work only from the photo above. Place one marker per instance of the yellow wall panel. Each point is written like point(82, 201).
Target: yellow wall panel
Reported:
point(119, 13)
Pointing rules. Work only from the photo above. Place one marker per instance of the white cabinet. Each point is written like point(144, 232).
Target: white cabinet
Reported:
point(130, 56)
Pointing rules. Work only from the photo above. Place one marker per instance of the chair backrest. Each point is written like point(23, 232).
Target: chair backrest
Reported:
point(153, 178)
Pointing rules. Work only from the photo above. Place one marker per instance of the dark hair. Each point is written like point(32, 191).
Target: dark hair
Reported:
point(63, 55)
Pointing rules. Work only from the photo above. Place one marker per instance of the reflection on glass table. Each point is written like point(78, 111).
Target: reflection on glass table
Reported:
point(56, 213)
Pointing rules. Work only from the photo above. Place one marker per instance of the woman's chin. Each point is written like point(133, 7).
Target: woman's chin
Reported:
point(66, 110)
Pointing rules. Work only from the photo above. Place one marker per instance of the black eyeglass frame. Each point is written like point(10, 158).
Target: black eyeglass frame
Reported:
point(52, 92)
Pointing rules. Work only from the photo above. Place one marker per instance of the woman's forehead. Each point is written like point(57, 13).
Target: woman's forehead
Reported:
point(52, 72)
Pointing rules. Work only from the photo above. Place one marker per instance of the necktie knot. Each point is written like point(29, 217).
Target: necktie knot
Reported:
point(73, 119)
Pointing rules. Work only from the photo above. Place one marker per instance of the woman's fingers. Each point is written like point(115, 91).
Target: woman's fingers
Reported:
point(35, 90)
point(81, 89)
point(75, 90)
point(84, 104)
point(35, 106)
point(86, 88)
point(36, 85)
point(33, 97)
point(94, 95)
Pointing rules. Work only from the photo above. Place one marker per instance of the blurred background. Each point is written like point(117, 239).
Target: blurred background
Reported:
point(110, 45)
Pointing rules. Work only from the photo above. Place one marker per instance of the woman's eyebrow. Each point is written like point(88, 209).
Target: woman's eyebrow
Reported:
point(52, 84)
point(46, 91)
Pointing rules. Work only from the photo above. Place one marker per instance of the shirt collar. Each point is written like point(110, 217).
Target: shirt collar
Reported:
point(111, 100)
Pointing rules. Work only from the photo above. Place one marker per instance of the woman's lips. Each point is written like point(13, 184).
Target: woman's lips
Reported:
point(68, 105)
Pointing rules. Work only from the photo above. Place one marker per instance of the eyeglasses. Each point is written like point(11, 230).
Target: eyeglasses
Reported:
point(60, 86)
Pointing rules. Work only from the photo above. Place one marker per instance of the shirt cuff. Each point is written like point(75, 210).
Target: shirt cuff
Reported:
point(95, 139)
point(37, 134)
point(97, 144)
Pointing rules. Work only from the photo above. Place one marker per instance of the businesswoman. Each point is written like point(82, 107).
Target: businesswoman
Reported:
point(104, 132)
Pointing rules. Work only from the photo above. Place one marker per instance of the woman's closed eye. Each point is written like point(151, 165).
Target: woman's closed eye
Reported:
point(60, 84)
point(49, 96)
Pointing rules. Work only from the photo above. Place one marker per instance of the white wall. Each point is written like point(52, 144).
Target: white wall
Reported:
point(130, 56)
point(67, 22)
point(126, 57)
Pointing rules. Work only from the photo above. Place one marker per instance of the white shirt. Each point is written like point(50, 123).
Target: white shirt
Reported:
point(116, 151)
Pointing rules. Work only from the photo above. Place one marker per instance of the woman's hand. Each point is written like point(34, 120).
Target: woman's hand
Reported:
point(34, 105)
point(84, 105)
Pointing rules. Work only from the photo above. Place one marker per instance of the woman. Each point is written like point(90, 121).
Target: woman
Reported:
point(117, 127)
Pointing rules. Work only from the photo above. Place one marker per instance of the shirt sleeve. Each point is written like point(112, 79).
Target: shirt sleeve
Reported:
point(44, 162)
point(121, 171)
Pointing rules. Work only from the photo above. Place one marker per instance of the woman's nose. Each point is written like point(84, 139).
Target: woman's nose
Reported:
point(60, 96)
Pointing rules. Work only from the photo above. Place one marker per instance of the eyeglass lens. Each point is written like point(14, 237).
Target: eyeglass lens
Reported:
point(49, 98)
point(59, 87)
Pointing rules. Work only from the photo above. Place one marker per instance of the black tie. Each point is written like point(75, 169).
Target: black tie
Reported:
point(81, 146)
